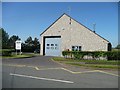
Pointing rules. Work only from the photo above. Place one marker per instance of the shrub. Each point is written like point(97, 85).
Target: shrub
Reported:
point(77, 55)
point(111, 55)
point(64, 53)
point(6, 52)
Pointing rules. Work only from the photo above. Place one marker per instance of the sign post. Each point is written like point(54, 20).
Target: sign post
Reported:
point(18, 46)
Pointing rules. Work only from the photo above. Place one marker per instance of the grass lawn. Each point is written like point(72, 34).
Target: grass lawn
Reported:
point(112, 64)
point(19, 56)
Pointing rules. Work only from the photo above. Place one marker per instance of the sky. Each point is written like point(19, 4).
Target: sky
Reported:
point(32, 18)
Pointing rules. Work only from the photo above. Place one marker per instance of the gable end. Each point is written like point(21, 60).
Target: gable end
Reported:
point(52, 24)
point(78, 23)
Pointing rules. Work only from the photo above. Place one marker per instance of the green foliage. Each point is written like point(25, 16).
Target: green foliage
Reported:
point(95, 65)
point(77, 54)
point(111, 55)
point(11, 41)
point(104, 62)
point(5, 38)
point(29, 41)
point(7, 43)
point(64, 53)
point(114, 55)
point(7, 52)
point(30, 45)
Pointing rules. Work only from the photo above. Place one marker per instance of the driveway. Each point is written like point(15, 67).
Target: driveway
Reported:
point(42, 72)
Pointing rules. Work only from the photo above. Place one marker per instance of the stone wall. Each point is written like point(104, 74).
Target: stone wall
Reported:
point(74, 34)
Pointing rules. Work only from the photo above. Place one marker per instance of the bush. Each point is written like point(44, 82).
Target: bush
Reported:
point(7, 52)
point(111, 55)
point(77, 54)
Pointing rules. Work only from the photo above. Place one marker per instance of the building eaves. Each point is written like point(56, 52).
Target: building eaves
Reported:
point(87, 28)
point(52, 24)
point(78, 23)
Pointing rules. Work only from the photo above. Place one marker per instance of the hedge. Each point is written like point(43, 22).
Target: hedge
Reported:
point(7, 52)
point(110, 55)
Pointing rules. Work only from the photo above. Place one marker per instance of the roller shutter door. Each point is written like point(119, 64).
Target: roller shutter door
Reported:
point(52, 46)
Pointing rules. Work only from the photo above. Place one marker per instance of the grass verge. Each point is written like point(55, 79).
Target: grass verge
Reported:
point(96, 65)
point(111, 64)
point(19, 56)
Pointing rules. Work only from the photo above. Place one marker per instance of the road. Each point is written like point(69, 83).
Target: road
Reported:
point(42, 72)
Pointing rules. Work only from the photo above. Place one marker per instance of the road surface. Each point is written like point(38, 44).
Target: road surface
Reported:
point(42, 72)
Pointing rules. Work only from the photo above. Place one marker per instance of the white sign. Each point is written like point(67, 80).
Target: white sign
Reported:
point(18, 45)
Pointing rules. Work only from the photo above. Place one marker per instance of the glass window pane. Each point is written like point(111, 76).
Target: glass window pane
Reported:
point(72, 48)
point(52, 44)
point(48, 44)
point(55, 47)
point(52, 47)
point(56, 44)
point(48, 47)
point(79, 48)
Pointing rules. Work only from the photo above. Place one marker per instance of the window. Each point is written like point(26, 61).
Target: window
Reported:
point(48, 47)
point(76, 48)
point(52, 44)
point(56, 48)
point(56, 45)
point(52, 47)
point(79, 48)
point(72, 48)
point(48, 44)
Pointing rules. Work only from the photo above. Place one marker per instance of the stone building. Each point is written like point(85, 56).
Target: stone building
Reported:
point(68, 34)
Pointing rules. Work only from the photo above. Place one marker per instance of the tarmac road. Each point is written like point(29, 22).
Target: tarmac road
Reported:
point(42, 72)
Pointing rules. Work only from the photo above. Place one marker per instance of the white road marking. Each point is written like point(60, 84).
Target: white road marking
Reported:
point(41, 78)
point(68, 70)
point(17, 65)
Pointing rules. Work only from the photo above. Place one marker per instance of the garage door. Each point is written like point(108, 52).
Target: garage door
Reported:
point(52, 46)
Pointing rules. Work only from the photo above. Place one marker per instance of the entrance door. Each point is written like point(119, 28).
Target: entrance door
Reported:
point(52, 46)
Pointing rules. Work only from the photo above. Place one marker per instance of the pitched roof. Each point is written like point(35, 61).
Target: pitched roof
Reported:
point(52, 23)
point(77, 22)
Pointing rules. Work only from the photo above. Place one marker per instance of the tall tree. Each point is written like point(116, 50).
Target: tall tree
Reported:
point(5, 38)
point(29, 41)
point(12, 41)
point(36, 43)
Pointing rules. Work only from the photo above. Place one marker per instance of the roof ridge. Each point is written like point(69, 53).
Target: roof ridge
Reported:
point(53, 23)
point(75, 21)
point(86, 27)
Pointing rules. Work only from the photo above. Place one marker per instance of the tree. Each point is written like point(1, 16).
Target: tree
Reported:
point(35, 42)
point(118, 46)
point(5, 38)
point(12, 41)
point(30, 45)
point(29, 41)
